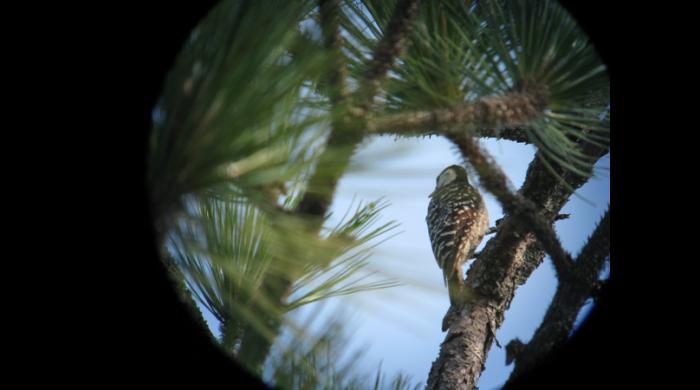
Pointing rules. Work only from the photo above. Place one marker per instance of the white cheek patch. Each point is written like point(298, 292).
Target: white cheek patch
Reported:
point(446, 178)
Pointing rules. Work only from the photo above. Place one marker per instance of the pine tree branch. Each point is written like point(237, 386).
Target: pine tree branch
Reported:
point(566, 304)
point(388, 49)
point(525, 211)
point(492, 115)
point(342, 140)
point(332, 41)
point(506, 262)
point(592, 257)
point(344, 137)
point(341, 144)
point(318, 196)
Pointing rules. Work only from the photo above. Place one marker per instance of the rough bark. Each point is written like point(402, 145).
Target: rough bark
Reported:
point(566, 304)
point(506, 262)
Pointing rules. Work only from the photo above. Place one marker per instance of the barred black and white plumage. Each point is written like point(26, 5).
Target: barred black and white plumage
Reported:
point(457, 221)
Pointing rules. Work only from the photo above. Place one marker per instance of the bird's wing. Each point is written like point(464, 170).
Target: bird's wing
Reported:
point(445, 237)
point(471, 223)
point(438, 220)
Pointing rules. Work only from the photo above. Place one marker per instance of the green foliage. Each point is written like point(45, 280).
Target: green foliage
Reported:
point(347, 244)
point(231, 252)
point(463, 51)
point(327, 362)
point(230, 108)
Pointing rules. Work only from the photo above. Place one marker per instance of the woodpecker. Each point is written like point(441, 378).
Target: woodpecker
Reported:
point(457, 222)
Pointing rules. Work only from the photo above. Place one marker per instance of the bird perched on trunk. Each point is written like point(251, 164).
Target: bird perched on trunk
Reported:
point(457, 221)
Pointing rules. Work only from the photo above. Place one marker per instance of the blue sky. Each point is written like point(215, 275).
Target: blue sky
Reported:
point(400, 326)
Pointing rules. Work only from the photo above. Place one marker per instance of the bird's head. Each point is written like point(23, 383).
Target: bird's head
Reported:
point(451, 174)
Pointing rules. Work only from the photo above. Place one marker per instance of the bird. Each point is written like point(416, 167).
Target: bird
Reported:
point(457, 222)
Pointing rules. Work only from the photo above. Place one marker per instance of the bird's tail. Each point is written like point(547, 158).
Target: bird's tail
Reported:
point(454, 283)
point(460, 295)
point(453, 274)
